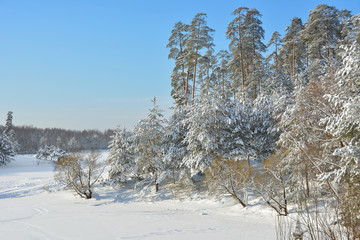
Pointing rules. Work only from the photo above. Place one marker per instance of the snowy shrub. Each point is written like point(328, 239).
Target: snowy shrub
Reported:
point(79, 172)
point(271, 183)
point(229, 177)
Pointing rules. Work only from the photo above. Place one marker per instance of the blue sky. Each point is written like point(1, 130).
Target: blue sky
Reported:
point(86, 64)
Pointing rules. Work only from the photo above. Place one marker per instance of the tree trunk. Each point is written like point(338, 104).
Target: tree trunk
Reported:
point(195, 63)
point(241, 61)
point(187, 86)
point(307, 180)
point(194, 77)
point(293, 61)
point(207, 80)
point(223, 84)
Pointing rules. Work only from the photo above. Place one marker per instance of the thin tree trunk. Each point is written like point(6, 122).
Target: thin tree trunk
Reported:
point(182, 65)
point(194, 77)
point(276, 54)
point(187, 86)
point(207, 81)
point(241, 62)
point(307, 180)
point(223, 84)
point(293, 61)
point(307, 60)
point(195, 63)
point(247, 64)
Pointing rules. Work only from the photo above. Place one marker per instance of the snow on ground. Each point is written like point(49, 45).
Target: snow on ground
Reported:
point(32, 206)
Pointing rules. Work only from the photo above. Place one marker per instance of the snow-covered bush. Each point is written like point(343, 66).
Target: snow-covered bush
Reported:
point(79, 172)
point(229, 177)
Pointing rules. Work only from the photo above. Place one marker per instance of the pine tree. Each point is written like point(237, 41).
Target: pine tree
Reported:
point(207, 125)
point(254, 34)
point(252, 133)
point(293, 51)
point(8, 125)
point(174, 144)
point(200, 37)
point(121, 156)
point(10, 133)
point(275, 41)
point(148, 138)
point(322, 32)
point(7, 151)
point(279, 85)
point(236, 32)
point(178, 52)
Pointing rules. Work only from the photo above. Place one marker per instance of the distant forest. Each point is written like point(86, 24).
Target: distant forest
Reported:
point(31, 139)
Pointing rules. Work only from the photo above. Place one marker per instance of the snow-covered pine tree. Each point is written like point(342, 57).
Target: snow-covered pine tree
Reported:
point(148, 138)
point(275, 42)
point(322, 32)
point(293, 51)
point(344, 124)
point(254, 35)
point(235, 33)
point(121, 156)
point(253, 134)
point(200, 37)
point(7, 151)
point(207, 129)
point(278, 86)
point(237, 136)
point(8, 124)
point(10, 133)
point(175, 148)
point(178, 52)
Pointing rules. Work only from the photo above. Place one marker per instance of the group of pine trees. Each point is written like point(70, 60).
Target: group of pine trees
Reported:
point(285, 125)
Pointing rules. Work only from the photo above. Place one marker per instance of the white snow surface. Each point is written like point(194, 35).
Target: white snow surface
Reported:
point(33, 206)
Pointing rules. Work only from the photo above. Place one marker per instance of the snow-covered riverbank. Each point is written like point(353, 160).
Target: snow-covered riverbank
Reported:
point(32, 206)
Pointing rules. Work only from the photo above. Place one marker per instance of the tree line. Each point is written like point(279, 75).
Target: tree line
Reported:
point(29, 139)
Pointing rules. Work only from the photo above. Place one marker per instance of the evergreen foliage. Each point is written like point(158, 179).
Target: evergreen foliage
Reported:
point(121, 156)
point(148, 139)
point(7, 151)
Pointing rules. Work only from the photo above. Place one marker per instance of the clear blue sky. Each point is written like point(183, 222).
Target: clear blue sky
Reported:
point(81, 64)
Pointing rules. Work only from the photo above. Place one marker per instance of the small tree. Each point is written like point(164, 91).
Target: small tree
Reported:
point(80, 172)
point(8, 124)
point(121, 156)
point(7, 151)
point(10, 133)
point(272, 185)
point(148, 137)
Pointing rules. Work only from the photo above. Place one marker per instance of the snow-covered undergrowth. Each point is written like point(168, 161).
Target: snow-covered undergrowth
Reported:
point(33, 206)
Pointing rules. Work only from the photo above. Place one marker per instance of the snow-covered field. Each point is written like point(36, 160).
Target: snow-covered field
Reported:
point(32, 206)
